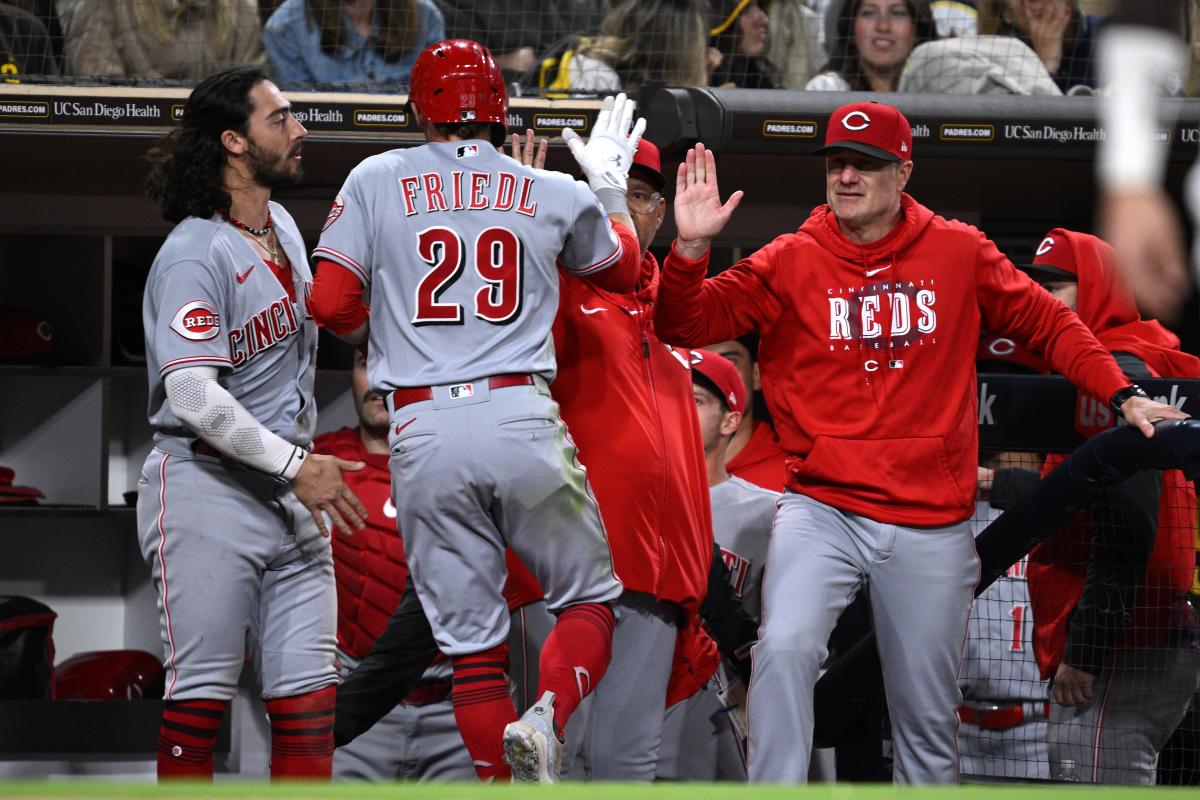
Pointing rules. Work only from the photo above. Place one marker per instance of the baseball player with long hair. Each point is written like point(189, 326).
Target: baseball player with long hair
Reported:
point(231, 504)
point(459, 247)
point(863, 313)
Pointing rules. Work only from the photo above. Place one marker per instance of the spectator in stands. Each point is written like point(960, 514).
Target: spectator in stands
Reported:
point(642, 41)
point(795, 46)
point(519, 31)
point(871, 45)
point(1057, 31)
point(368, 42)
point(739, 33)
point(1111, 624)
point(50, 14)
point(177, 39)
point(25, 48)
point(955, 18)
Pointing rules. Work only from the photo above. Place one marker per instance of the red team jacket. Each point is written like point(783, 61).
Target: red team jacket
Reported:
point(867, 353)
point(370, 568)
point(762, 461)
point(1058, 568)
point(612, 365)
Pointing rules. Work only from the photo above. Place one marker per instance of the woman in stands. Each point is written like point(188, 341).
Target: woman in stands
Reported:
point(871, 45)
point(739, 33)
point(371, 43)
point(642, 41)
point(176, 39)
point(1056, 30)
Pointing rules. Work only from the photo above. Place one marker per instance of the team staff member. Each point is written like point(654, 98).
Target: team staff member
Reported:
point(754, 452)
point(863, 312)
point(230, 502)
point(1111, 623)
point(418, 740)
point(460, 247)
point(654, 503)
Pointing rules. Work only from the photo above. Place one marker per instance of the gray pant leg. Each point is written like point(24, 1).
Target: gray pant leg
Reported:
point(1137, 704)
point(920, 599)
point(697, 739)
point(298, 611)
point(1016, 754)
point(624, 726)
point(380, 754)
point(527, 634)
point(207, 533)
point(814, 567)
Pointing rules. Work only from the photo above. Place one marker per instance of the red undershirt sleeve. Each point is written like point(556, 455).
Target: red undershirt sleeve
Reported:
point(336, 299)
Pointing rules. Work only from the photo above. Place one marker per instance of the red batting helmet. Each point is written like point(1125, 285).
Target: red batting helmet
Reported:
point(457, 80)
point(109, 675)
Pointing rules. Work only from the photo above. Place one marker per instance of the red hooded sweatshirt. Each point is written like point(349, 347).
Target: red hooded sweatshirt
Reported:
point(761, 461)
point(867, 353)
point(627, 401)
point(1058, 569)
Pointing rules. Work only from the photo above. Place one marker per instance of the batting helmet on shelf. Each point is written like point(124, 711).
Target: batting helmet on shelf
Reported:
point(457, 80)
point(110, 675)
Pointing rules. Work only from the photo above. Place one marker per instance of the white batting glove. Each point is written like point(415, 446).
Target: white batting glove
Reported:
point(608, 153)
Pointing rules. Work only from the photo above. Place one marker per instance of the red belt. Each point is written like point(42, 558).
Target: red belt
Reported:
point(428, 693)
point(1001, 718)
point(404, 397)
point(205, 449)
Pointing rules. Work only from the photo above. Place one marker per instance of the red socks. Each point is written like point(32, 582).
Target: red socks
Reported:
point(187, 738)
point(482, 707)
point(575, 656)
point(302, 735)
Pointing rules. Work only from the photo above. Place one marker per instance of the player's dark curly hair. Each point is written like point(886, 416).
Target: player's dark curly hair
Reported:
point(186, 165)
point(845, 59)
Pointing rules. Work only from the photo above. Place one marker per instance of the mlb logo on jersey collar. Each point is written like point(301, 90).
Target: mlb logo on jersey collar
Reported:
point(467, 151)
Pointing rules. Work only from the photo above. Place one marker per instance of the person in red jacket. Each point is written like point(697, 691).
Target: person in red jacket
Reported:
point(754, 452)
point(627, 400)
point(418, 739)
point(1112, 625)
point(869, 315)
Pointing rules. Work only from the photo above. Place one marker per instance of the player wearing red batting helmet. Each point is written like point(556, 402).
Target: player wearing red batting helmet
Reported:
point(863, 314)
point(458, 81)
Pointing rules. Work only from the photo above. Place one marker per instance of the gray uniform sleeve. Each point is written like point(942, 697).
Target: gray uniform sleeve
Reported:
point(190, 303)
point(591, 243)
point(346, 237)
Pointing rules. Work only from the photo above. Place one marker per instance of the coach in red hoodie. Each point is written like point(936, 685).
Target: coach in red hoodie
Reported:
point(1111, 625)
point(869, 316)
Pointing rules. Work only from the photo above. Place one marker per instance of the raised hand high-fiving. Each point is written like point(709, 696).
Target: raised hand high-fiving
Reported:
point(699, 213)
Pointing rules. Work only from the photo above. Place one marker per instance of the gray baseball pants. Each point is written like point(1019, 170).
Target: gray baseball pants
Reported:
point(922, 582)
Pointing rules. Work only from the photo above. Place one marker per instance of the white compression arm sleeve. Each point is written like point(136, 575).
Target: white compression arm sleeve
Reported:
point(207, 407)
point(1135, 64)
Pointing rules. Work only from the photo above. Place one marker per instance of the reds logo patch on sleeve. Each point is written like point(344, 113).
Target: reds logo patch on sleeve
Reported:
point(196, 321)
point(339, 205)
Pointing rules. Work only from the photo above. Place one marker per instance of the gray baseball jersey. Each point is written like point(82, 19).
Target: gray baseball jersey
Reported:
point(458, 245)
point(999, 670)
point(742, 515)
point(211, 301)
point(234, 554)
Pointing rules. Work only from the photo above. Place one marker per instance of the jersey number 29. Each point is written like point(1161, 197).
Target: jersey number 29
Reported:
point(498, 260)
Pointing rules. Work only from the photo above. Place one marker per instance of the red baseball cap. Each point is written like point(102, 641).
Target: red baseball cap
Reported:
point(648, 163)
point(1054, 260)
point(719, 375)
point(870, 128)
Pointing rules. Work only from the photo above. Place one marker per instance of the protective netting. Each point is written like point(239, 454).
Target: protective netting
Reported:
point(1082, 660)
point(1043, 47)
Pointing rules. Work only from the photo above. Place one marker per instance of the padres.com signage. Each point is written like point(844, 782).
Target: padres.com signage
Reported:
point(104, 109)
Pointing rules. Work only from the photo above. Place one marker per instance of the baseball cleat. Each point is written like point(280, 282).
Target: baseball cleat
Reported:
point(531, 747)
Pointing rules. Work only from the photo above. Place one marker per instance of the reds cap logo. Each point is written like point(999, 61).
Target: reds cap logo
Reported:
point(196, 321)
point(856, 125)
point(335, 213)
point(1046, 246)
